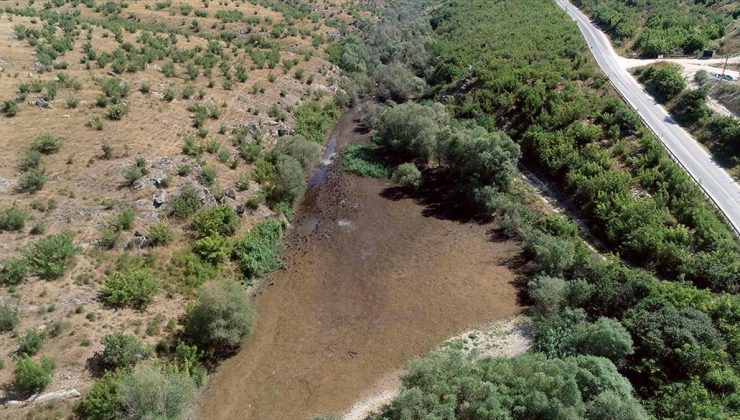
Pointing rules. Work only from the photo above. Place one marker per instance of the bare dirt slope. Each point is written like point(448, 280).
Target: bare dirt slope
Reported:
point(377, 282)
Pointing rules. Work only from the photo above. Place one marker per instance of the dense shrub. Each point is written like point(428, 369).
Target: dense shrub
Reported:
point(302, 150)
point(149, 391)
point(154, 392)
point(313, 120)
point(30, 343)
point(135, 288)
point(407, 175)
point(102, 401)
point(191, 270)
point(32, 377)
point(289, 181)
point(221, 316)
point(13, 218)
point(186, 203)
point(606, 338)
point(9, 314)
point(665, 79)
point(447, 384)
point(50, 256)
point(215, 220)
point(121, 350)
point(46, 144)
point(364, 161)
point(14, 270)
point(33, 180)
point(160, 234)
point(212, 249)
point(257, 252)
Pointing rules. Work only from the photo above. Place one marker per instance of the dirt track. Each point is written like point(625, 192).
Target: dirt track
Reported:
point(368, 283)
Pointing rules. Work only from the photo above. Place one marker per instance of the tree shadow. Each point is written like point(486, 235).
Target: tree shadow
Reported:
point(442, 197)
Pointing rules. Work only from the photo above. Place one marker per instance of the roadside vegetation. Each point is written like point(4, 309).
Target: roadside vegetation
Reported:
point(664, 27)
point(721, 134)
point(659, 328)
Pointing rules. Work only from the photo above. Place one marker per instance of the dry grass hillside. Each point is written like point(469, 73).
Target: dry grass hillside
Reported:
point(109, 112)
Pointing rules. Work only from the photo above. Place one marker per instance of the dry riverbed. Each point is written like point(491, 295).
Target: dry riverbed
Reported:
point(371, 279)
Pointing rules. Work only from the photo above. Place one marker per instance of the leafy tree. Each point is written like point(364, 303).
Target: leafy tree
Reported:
point(221, 316)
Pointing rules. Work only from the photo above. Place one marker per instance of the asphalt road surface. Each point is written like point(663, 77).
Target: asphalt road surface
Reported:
point(717, 183)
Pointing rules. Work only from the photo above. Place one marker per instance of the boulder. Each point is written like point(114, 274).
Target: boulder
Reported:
point(160, 197)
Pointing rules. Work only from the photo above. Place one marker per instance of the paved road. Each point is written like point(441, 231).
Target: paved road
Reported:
point(718, 185)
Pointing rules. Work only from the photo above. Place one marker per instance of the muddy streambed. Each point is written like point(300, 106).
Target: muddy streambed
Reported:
point(368, 283)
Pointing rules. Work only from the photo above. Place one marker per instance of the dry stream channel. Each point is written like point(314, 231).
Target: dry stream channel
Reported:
point(371, 279)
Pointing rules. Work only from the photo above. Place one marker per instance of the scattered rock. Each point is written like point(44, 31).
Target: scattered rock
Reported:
point(160, 197)
point(41, 103)
point(153, 180)
point(63, 394)
point(140, 240)
point(230, 193)
point(4, 183)
point(39, 67)
point(241, 209)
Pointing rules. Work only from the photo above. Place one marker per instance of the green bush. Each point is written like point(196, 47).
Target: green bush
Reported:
point(191, 270)
point(364, 161)
point(135, 288)
point(186, 203)
point(103, 401)
point(289, 181)
point(134, 172)
point(161, 234)
point(606, 338)
point(212, 249)
point(49, 257)
point(447, 384)
point(116, 111)
point(302, 150)
point(215, 220)
point(175, 393)
point(548, 293)
point(32, 377)
point(31, 160)
point(9, 314)
point(314, 120)
point(221, 317)
point(10, 108)
point(665, 79)
point(31, 343)
point(125, 219)
point(46, 144)
point(257, 252)
point(14, 270)
point(407, 175)
point(130, 394)
point(13, 218)
point(32, 180)
point(121, 350)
